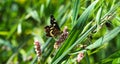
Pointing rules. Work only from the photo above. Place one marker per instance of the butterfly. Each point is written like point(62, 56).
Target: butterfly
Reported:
point(52, 30)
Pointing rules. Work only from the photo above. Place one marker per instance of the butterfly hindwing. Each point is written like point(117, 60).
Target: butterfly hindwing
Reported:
point(47, 30)
point(53, 29)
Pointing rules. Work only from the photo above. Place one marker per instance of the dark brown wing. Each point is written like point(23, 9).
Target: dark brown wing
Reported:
point(47, 30)
point(52, 19)
point(53, 22)
point(53, 29)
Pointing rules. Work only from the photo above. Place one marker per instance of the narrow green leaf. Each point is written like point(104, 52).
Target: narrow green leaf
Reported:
point(98, 17)
point(112, 10)
point(62, 10)
point(111, 57)
point(19, 29)
point(67, 46)
point(118, 18)
point(35, 15)
point(87, 27)
point(118, 41)
point(41, 10)
point(87, 58)
point(78, 41)
point(75, 11)
point(104, 39)
point(4, 32)
point(47, 3)
point(83, 18)
point(13, 29)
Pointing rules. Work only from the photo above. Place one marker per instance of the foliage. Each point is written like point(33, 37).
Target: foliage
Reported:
point(93, 24)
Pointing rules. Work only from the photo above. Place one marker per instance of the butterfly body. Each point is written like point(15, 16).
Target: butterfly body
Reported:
point(52, 30)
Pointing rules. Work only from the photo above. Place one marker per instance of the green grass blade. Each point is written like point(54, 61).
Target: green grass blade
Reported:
point(73, 34)
point(87, 58)
point(111, 57)
point(12, 31)
point(75, 11)
point(62, 10)
point(78, 41)
point(83, 18)
point(118, 41)
point(35, 15)
point(98, 17)
point(104, 39)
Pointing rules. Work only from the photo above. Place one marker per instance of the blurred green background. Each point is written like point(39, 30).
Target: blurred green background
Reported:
point(23, 20)
point(20, 21)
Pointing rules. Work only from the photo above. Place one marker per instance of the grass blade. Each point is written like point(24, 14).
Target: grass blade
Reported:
point(111, 57)
point(98, 17)
point(104, 39)
point(75, 11)
point(67, 46)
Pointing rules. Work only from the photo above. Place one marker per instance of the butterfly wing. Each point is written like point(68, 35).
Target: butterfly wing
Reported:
point(47, 30)
point(53, 29)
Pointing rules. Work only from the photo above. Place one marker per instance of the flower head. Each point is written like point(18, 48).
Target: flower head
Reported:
point(80, 56)
point(62, 38)
point(37, 48)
